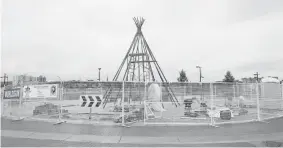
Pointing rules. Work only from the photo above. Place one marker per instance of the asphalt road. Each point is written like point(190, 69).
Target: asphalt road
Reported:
point(245, 129)
point(274, 126)
point(23, 142)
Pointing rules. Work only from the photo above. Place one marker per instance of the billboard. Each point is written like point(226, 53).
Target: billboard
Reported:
point(12, 93)
point(40, 91)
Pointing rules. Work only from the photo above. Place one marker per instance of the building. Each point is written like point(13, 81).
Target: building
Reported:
point(270, 79)
point(27, 79)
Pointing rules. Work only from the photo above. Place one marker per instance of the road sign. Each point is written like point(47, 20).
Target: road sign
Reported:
point(90, 100)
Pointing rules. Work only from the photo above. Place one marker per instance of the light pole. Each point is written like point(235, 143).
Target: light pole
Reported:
point(200, 75)
point(99, 74)
point(60, 98)
point(256, 76)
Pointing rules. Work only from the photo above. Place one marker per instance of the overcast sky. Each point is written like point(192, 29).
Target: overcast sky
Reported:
point(72, 38)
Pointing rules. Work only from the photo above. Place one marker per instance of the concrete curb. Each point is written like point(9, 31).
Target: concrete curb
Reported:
point(137, 124)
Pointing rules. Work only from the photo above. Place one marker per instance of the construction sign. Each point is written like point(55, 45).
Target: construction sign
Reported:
point(90, 100)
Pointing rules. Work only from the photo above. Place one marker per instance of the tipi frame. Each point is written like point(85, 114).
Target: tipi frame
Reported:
point(140, 62)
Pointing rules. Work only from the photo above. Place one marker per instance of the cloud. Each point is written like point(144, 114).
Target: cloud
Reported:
point(72, 38)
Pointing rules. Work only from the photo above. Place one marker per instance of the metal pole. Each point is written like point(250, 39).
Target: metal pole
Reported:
point(211, 104)
point(215, 89)
point(123, 99)
point(234, 91)
point(161, 100)
point(144, 115)
point(2, 102)
point(99, 74)
point(282, 95)
point(258, 103)
point(60, 95)
point(200, 74)
point(145, 90)
point(184, 91)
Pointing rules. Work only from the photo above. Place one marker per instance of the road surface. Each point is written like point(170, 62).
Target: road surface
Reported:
point(38, 133)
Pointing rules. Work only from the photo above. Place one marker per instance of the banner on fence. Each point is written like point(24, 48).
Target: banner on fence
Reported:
point(40, 91)
point(12, 93)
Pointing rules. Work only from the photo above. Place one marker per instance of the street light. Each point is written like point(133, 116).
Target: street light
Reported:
point(60, 98)
point(99, 74)
point(256, 76)
point(200, 75)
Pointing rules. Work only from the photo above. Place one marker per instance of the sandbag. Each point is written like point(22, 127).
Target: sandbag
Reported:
point(225, 115)
point(154, 92)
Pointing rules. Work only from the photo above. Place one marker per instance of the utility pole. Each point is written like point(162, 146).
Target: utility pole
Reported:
point(5, 77)
point(256, 75)
point(200, 75)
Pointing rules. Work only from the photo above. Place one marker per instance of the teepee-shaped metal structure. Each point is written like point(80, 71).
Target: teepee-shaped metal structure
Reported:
point(140, 64)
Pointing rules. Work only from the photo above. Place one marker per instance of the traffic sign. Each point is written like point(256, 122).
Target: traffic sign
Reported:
point(90, 100)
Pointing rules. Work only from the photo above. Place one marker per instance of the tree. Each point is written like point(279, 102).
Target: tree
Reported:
point(182, 77)
point(41, 78)
point(229, 77)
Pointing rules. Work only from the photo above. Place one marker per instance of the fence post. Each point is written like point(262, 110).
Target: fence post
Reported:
point(215, 90)
point(184, 93)
point(20, 99)
point(60, 109)
point(161, 100)
point(282, 95)
point(123, 99)
point(144, 111)
point(2, 101)
point(61, 98)
point(258, 103)
point(144, 90)
point(211, 104)
point(234, 91)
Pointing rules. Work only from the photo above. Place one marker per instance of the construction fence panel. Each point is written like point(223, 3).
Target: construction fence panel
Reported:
point(155, 103)
point(234, 103)
point(189, 109)
point(41, 109)
point(132, 108)
point(270, 100)
point(33, 107)
point(107, 111)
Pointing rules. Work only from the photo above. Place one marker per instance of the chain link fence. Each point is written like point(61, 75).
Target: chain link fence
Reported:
point(154, 103)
